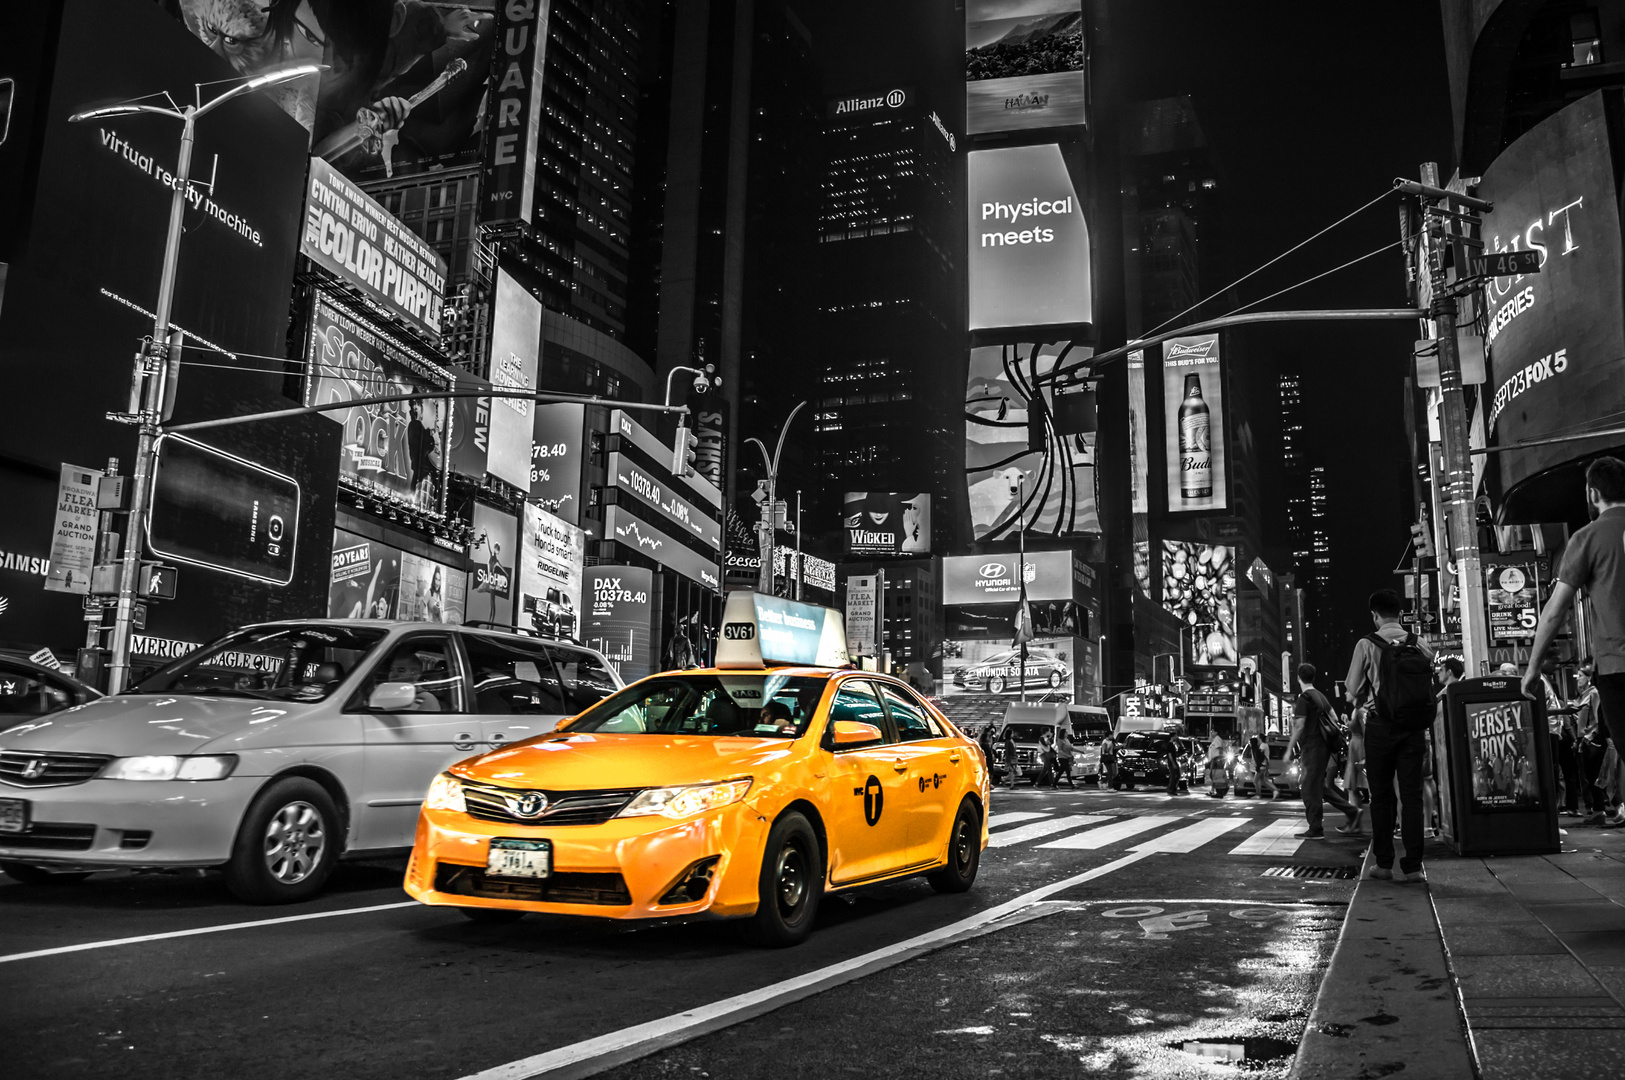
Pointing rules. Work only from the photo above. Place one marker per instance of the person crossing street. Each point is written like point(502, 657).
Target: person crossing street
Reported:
point(1314, 731)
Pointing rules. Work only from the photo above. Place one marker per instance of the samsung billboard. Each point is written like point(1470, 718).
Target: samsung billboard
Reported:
point(1029, 259)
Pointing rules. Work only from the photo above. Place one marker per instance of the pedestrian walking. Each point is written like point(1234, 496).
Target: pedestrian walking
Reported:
point(1012, 761)
point(1108, 764)
point(984, 739)
point(1047, 761)
point(1218, 775)
point(1315, 733)
point(1170, 761)
point(1593, 569)
point(1391, 677)
point(1065, 751)
point(1257, 755)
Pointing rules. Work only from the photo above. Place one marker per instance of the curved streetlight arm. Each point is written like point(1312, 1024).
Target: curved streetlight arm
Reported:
point(785, 430)
point(767, 462)
point(123, 110)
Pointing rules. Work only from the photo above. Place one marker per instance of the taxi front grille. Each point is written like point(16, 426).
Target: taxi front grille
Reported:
point(563, 807)
point(48, 768)
point(567, 887)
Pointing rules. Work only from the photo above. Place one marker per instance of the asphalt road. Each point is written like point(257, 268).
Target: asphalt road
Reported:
point(1132, 925)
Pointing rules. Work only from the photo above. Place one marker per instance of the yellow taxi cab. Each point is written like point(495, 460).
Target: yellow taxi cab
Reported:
point(747, 790)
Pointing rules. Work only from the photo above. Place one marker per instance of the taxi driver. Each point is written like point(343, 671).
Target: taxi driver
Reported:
point(776, 714)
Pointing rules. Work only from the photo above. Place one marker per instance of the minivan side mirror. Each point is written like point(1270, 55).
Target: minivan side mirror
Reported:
point(392, 696)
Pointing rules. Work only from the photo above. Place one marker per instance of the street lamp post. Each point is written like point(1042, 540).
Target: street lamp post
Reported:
point(764, 529)
point(148, 389)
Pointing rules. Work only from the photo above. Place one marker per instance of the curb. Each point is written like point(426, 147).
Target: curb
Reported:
point(1386, 1002)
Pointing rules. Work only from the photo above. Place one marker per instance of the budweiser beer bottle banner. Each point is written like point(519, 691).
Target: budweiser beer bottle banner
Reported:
point(1193, 424)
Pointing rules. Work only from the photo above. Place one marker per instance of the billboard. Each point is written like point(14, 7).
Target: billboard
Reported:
point(993, 666)
point(516, 349)
point(1514, 602)
point(618, 618)
point(991, 579)
point(73, 547)
point(366, 578)
point(1556, 339)
point(886, 523)
point(469, 443)
point(509, 189)
point(863, 615)
point(551, 553)
point(1139, 438)
point(1199, 588)
point(216, 509)
point(395, 448)
point(1029, 262)
point(1025, 65)
point(655, 543)
point(1501, 755)
point(558, 432)
point(494, 553)
point(1050, 490)
point(348, 234)
point(672, 511)
point(1193, 426)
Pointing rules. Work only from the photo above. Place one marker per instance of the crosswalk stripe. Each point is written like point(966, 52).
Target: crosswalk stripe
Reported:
point(1094, 839)
point(1009, 817)
point(1022, 833)
point(1191, 837)
point(1273, 839)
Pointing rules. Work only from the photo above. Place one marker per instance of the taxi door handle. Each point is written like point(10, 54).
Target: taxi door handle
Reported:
point(900, 765)
point(953, 758)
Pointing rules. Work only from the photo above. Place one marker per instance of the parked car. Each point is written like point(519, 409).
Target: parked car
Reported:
point(277, 750)
point(29, 690)
point(1002, 671)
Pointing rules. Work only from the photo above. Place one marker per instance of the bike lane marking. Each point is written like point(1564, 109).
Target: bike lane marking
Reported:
point(167, 935)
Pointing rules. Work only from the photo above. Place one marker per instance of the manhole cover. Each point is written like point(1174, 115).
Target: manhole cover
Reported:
point(1314, 873)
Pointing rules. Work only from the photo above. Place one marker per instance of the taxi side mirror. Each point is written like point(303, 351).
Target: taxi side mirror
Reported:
point(392, 696)
point(854, 733)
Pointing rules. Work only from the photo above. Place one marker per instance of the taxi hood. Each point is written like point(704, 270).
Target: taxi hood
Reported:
point(593, 760)
point(135, 724)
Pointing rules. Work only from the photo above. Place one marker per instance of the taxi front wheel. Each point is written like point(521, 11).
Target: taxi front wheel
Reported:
point(964, 853)
point(790, 886)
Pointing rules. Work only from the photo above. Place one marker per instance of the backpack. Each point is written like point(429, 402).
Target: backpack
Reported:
point(1330, 733)
point(1405, 696)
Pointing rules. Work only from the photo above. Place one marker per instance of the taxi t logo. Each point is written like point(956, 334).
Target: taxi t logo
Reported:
point(873, 798)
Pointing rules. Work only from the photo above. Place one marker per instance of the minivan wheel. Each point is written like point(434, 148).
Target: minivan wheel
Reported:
point(790, 885)
point(29, 874)
point(286, 844)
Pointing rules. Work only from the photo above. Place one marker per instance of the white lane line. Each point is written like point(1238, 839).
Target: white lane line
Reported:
point(112, 942)
point(996, 819)
point(1095, 839)
point(618, 1047)
point(1191, 837)
point(1023, 833)
point(1273, 839)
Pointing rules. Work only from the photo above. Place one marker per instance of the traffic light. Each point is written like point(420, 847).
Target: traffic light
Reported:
point(686, 449)
point(1422, 537)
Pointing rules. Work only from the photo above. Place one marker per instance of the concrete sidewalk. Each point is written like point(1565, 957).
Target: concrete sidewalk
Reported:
point(1513, 965)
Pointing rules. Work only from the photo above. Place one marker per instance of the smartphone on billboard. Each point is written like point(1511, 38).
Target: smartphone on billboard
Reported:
point(214, 509)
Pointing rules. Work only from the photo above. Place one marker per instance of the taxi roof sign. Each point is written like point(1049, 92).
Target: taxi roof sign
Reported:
point(759, 631)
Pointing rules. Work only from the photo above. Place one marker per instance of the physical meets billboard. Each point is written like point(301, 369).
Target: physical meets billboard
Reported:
point(1025, 65)
point(882, 523)
point(1193, 427)
point(1199, 587)
point(1029, 260)
point(396, 449)
point(1050, 490)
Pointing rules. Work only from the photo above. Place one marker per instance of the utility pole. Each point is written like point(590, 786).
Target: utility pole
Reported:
point(1459, 504)
point(764, 528)
point(798, 545)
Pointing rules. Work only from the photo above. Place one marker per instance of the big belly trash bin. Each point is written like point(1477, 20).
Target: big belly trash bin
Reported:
point(1493, 752)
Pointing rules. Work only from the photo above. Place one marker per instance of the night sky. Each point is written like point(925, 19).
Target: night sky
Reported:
point(1312, 110)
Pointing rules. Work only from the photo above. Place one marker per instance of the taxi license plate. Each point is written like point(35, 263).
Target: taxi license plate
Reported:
point(519, 858)
point(13, 815)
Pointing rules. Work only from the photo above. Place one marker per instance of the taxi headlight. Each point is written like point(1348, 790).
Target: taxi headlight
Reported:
point(170, 767)
point(445, 793)
point(682, 802)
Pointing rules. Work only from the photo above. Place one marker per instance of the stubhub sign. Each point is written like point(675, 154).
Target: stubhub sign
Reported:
point(1029, 244)
point(759, 631)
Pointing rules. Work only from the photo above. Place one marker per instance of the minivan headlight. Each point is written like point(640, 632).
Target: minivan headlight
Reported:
point(682, 802)
point(170, 767)
point(446, 793)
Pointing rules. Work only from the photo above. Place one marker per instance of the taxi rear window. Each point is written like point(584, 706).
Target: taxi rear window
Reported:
point(741, 706)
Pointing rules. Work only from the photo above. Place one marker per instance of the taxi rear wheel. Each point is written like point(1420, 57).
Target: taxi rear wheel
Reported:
point(964, 852)
point(790, 886)
point(286, 845)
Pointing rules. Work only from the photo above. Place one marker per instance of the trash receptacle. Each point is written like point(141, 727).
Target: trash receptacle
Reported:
point(1498, 795)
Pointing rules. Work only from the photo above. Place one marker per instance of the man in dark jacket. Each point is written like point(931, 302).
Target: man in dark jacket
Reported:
point(1307, 735)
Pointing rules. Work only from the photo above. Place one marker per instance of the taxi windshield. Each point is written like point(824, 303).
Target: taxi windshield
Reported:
point(742, 706)
point(268, 663)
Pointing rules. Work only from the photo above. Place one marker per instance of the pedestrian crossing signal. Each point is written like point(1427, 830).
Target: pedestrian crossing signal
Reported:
point(157, 582)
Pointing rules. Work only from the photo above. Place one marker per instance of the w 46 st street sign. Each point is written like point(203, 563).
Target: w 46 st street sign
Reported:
point(1504, 264)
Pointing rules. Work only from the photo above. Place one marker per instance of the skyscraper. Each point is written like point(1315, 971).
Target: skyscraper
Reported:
point(1295, 472)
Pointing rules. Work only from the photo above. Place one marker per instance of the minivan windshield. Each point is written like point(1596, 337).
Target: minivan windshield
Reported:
point(743, 706)
point(268, 663)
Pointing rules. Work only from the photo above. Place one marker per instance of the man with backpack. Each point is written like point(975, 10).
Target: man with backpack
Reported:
point(1315, 732)
point(1391, 676)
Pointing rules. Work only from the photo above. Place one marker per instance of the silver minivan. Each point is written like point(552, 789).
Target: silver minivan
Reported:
point(277, 750)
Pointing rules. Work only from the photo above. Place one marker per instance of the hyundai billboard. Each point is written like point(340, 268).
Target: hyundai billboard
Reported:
point(991, 579)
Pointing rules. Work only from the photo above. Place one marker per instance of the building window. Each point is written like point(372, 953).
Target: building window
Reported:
point(1586, 37)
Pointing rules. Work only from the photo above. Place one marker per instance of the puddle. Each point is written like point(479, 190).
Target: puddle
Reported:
point(1252, 1051)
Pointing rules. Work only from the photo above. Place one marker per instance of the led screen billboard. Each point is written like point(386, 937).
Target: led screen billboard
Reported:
point(1556, 339)
point(516, 347)
point(618, 620)
point(557, 435)
point(1025, 65)
point(886, 523)
point(991, 579)
point(1049, 490)
point(494, 553)
point(1199, 588)
point(1139, 440)
point(551, 553)
point(397, 449)
point(993, 666)
point(1029, 260)
point(468, 445)
point(1513, 602)
point(215, 509)
point(509, 188)
point(1193, 427)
